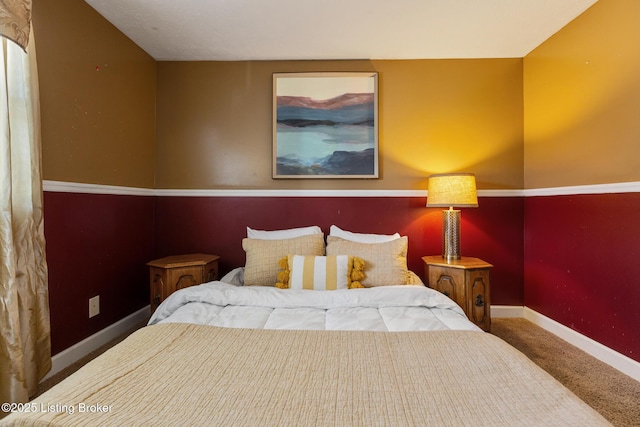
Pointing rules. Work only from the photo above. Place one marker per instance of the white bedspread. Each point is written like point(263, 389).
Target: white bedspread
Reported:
point(388, 308)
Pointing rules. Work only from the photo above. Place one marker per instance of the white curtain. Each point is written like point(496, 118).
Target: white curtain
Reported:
point(25, 346)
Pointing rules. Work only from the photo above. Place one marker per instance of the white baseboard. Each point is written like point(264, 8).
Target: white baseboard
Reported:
point(498, 311)
point(78, 351)
point(601, 352)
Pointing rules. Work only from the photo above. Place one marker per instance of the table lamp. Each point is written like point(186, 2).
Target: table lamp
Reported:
point(452, 190)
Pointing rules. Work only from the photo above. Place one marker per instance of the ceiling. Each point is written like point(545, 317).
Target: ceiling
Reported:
point(233, 30)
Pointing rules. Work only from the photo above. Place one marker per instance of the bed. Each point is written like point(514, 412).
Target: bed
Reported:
point(370, 351)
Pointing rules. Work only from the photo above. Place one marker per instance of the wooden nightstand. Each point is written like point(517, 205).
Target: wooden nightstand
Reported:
point(171, 273)
point(466, 281)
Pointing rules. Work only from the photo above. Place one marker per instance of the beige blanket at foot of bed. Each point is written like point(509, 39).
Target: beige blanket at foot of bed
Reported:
point(180, 374)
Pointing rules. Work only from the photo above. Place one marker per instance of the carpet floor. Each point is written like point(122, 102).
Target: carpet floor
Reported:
point(610, 392)
point(615, 395)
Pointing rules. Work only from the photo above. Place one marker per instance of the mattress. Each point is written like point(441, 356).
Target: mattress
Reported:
point(184, 374)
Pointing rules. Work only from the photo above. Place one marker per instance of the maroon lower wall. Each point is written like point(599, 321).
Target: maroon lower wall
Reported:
point(217, 225)
point(580, 265)
point(96, 245)
point(100, 244)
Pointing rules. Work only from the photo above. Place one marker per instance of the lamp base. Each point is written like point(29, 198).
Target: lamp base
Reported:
point(451, 234)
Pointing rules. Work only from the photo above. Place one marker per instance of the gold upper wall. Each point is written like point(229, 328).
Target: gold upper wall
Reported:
point(566, 114)
point(99, 93)
point(214, 123)
point(97, 98)
point(582, 100)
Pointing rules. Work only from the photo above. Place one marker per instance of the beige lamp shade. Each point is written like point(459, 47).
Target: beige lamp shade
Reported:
point(452, 190)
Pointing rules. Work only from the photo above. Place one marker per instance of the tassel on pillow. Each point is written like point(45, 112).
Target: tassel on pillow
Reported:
point(283, 275)
point(357, 273)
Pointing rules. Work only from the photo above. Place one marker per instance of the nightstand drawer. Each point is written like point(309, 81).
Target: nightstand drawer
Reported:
point(448, 281)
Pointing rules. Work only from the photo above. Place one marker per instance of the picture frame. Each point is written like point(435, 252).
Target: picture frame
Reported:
point(325, 125)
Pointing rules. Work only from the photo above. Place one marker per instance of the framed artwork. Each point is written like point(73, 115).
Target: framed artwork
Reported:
point(325, 125)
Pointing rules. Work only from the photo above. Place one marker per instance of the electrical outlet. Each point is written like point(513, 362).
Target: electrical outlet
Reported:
point(94, 306)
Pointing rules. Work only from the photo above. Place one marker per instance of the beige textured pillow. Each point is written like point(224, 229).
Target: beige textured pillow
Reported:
point(385, 263)
point(261, 267)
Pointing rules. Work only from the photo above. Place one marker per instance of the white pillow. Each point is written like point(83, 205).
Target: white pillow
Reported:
point(234, 277)
point(361, 237)
point(289, 233)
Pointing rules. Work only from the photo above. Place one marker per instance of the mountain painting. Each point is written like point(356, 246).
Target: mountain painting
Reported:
point(325, 125)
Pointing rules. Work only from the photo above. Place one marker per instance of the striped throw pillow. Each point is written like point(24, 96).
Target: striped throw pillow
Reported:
point(321, 272)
